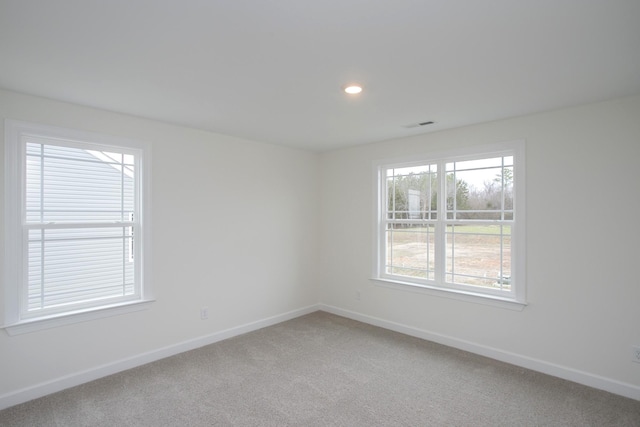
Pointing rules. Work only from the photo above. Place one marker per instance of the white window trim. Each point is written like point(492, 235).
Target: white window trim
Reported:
point(13, 323)
point(517, 299)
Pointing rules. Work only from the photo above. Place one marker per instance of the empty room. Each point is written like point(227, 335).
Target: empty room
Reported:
point(336, 213)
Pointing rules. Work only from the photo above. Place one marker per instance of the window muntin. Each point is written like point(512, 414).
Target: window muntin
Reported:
point(411, 192)
point(491, 195)
point(458, 231)
point(78, 204)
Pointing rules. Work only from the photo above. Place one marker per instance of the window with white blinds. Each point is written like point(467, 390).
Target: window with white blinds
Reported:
point(80, 209)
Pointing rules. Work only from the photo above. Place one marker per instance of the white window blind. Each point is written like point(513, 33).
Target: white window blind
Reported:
point(80, 206)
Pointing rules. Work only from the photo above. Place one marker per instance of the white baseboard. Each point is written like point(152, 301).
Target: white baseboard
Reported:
point(574, 375)
point(58, 384)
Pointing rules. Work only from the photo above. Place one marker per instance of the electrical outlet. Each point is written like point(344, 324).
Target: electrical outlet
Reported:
point(357, 295)
point(635, 354)
point(204, 313)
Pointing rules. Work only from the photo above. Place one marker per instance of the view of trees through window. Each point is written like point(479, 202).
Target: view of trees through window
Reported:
point(475, 221)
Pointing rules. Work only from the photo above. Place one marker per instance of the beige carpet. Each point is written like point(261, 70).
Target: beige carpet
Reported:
point(325, 370)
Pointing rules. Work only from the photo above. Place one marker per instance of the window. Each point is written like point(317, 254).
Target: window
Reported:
point(75, 204)
point(454, 222)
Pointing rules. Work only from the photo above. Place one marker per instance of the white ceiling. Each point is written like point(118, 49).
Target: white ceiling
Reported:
point(272, 70)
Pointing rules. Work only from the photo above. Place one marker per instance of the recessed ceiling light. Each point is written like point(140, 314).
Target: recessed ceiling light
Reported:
point(353, 89)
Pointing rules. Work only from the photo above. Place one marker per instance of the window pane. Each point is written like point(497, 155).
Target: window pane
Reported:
point(480, 189)
point(410, 250)
point(410, 170)
point(479, 255)
point(72, 266)
point(457, 194)
point(73, 185)
point(412, 193)
point(507, 179)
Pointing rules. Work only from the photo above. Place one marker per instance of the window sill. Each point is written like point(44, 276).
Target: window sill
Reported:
point(456, 294)
point(40, 323)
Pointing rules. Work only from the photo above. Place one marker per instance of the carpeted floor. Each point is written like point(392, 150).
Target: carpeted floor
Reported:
point(325, 370)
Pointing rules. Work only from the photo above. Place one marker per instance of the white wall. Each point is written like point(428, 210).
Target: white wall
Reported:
point(583, 239)
point(253, 231)
point(234, 228)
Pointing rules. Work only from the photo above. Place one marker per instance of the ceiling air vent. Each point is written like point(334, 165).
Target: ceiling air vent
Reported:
point(417, 125)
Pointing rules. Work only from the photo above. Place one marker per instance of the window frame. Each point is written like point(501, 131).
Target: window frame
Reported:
point(513, 299)
point(16, 229)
